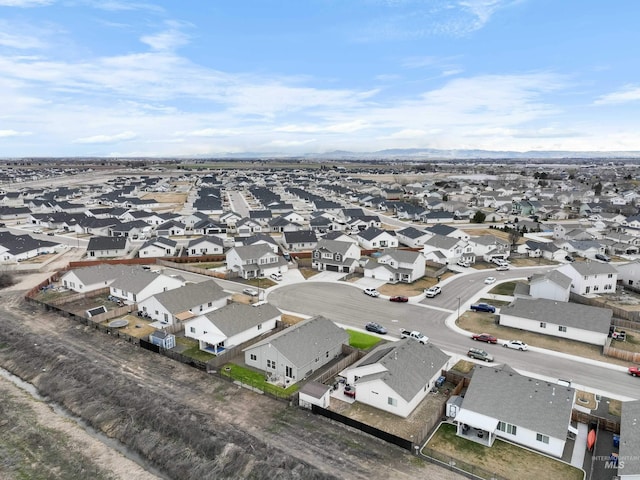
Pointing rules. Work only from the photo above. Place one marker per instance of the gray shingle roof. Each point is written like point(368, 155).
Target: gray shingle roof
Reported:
point(593, 268)
point(135, 281)
point(239, 317)
point(440, 241)
point(107, 243)
point(594, 319)
point(304, 341)
point(403, 256)
point(191, 295)
point(552, 276)
point(409, 366)
point(505, 395)
point(630, 437)
point(100, 273)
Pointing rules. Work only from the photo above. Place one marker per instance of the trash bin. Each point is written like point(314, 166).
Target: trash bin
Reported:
point(440, 381)
point(616, 440)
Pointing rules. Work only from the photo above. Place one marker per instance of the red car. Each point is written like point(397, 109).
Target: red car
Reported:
point(634, 371)
point(350, 391)
point(484, 337)
point(399, 298)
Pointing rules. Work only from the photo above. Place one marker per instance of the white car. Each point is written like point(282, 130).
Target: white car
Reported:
point(503, 267)
point(462, 263)
point(490, 280)
point(276, 276)
point(250, 291)
point(516, 345)
point(372, 292)
point(433, 291)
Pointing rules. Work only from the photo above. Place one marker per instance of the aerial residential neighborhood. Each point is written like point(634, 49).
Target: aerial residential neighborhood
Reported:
point(253, 284)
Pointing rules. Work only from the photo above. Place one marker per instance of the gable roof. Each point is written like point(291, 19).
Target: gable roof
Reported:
point(107, 243)
point(537, 405)
point(574, 315)
point(409, 365)
point(136, 280)
point(373, 232)
point(236, 318)
point(304, 341)
point(191, 295)
point(554, 276)
point(591, 268)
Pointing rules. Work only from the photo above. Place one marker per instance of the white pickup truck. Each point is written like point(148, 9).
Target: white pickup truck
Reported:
point(415, 335)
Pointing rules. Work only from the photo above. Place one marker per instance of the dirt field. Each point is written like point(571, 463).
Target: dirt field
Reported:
point(185, 422)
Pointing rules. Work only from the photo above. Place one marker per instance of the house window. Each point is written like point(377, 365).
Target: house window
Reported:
point(610, 275)
point(288, 371)
point(507, 428)
point(200, 307)
point(192, 329)
point(253, 357)
point(543, 324)
point(587, 290)
point(562, 328)
point(542, 438)
point(210, 304)
point(327, 353)
point(166, 317)
point(392, 401)
point(271, 364)
point(259, 326)
point(596, 288)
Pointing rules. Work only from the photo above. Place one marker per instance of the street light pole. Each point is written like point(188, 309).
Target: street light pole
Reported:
point(458, 309)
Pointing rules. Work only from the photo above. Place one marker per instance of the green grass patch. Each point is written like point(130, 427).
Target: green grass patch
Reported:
point(463, 366)
point(503, 459)
point(505, 288)
point(361, 340)
point(207, 265)
point(192, 349)
point(615, 407)
point(257, 380)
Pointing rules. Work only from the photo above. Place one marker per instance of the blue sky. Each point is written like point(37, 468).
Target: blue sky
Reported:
point(136, 78)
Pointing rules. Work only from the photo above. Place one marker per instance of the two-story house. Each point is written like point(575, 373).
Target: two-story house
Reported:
point(374, 238)
point(335, 256)
point(254, 261)
point(395, 266)
point(591, 277)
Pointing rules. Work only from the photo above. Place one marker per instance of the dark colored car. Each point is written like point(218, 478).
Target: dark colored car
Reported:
point(375, 327)
point(399, 298)
point(350, 391)
point(602, 257)
point(483, 307)
point(484, 337)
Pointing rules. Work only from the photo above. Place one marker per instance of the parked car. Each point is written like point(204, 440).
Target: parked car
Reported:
point(375, 327)
point(399, 298)
point(372, 292)
point(490, 280)
point(602, 257)
point(502, 267)
point(37, 230)
point(462, 263)
point(479, 354)
point(568, 258)
point(350, 391)
point(276, 276)
point(516, 345)
point(250, 291)
point(51, 234)
point(634, 371)
point(433, 291)
point(483, 307)
point(484, 337)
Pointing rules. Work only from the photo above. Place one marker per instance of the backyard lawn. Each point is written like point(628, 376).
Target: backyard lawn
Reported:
point(256, 380)
point(192, 349)
point(362, 340)
point(502, 459)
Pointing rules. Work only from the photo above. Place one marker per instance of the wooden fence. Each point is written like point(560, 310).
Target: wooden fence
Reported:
point(603, 423)
point(633, 316)
point(631, 357)
point(192, 269)
point(352, 356)
point(116, 312)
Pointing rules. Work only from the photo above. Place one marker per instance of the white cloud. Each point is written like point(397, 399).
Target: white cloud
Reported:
point(167, 40)
point(630, 93)
point(120, 137)
point(13, 133)
point(13, 35)
point(349, 127)
point(25, 3)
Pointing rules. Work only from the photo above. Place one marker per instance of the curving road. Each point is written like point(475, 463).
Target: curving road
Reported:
point(346, 304)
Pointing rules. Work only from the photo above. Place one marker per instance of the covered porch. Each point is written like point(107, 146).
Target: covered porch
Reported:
point(476, 427)
point(212, 343)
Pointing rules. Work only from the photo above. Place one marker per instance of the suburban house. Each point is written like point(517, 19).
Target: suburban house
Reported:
point(300, 240)
point(537, 415)
point(397, 376)
point(537, 249)
point(89, 279)
point(158, 247)
point(628, 458)
point(447, 250)
point(103, 247)
point(297, 351)
point(140, 284)
point(448, 231)
point(552, 285)
point(629, 273)
point(489, 247)
point(174, 306)
point(412, 237)
point(395, 266)
point(590, 277)
point(335, 256)
point(314, 393)
point(172, 228)
point(558, 319)
point(374, 238)
point(219, 330)
point(255, 261)
point(208, 245)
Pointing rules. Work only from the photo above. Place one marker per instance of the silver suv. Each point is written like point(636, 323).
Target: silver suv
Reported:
point(479, 354)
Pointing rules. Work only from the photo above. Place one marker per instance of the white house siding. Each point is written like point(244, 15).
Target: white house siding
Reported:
point(527, 438)
point(152, 251)
point(629, 274)
point(572, 333)
point(379, 273)
point(253, 332)
point(601, 283)
point(71, 281)
point(264, 353)
point(549, 290)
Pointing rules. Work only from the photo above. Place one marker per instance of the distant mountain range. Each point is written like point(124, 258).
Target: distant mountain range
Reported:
point(409, 154)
